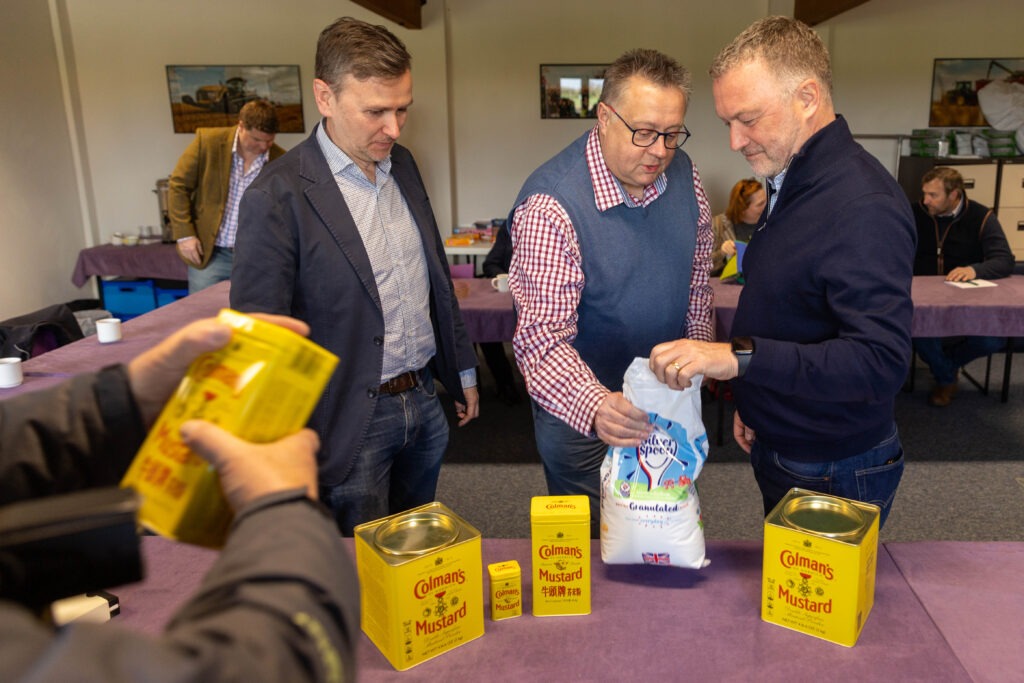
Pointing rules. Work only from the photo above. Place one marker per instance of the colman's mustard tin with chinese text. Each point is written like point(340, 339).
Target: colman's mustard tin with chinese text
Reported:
point(820, 555)
point(420, 583)
point(262, 386)
point(560, 529)
point(506, 590)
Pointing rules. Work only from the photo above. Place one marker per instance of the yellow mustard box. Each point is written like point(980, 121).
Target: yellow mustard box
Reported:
point(420, 583)
point(262, 386)
point(560, 530)
point(820, 556)
point(506, 590)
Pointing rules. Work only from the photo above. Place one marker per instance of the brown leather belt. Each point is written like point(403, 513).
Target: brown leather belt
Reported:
point(400, 383)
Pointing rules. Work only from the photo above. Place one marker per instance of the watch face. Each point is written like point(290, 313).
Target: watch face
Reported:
point(742, 345)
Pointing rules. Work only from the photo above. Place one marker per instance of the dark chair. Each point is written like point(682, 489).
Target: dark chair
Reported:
point(29, 335)
point(1013, 345)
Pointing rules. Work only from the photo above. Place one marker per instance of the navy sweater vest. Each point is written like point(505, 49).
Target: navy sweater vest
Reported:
point(636, 261)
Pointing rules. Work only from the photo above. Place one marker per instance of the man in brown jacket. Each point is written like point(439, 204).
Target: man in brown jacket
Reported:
point(207, 185)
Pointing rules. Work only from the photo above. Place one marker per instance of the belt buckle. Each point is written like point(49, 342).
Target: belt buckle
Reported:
point(401, 383)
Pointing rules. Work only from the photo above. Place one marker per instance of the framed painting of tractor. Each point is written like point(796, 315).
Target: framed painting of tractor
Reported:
point(955, 86)
point(209, 96)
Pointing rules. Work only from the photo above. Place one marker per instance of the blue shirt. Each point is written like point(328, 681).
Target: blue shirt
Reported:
point(393, 243)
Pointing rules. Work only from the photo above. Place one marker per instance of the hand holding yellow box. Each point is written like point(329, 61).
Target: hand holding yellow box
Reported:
point(262, 386)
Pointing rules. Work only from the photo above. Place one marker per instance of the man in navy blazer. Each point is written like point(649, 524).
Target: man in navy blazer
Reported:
point(339, 233)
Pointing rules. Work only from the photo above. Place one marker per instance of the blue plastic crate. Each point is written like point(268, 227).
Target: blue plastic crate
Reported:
point(169, 296)
point(128, 298)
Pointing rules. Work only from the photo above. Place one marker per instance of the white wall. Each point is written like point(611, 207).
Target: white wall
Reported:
point(40, 220)
point(499, 135)
point(882, 57)
point(883, 53)
point(123, 47)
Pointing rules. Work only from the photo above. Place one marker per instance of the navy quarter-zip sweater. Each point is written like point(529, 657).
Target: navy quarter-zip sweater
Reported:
point(827, 302)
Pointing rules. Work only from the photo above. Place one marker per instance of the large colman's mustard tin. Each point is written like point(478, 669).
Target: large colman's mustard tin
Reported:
point(820, 554)
point(261, 386)
point(420, 583)
point(560, 531)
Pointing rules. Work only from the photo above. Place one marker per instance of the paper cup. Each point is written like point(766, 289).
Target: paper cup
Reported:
point(10, 372)
point(108, 330)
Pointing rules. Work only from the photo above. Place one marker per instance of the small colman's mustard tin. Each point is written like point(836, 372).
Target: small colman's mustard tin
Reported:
point(420, 583)
point(506, 590)
point(820, 555)
point(560, 530)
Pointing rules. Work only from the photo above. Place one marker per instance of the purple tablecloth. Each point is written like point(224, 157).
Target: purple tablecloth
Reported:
point(940, 310)
point(974, 592)
point(943, 612)
point(158, 261)
point(488, 314)
point(138, 334)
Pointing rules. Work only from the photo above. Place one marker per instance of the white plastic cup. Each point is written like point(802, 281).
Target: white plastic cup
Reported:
point(10, 372)
point(108, 330)
point(500, 283)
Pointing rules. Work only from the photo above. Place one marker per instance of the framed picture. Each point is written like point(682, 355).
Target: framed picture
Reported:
point(570, 91)
point(213, 95)
point(955, 86)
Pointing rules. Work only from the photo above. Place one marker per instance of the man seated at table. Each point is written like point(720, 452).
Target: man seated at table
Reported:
point(961, 239)
point(281, 602)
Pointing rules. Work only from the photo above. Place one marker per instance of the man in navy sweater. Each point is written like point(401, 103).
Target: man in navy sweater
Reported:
point(821, 339)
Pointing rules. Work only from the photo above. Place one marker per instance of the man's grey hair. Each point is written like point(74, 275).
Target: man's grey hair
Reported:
point(651, 65)
point(351, 46)
point(789, 48)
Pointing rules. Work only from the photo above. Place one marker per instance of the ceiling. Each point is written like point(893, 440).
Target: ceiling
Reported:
point(813, 12)
point(406, 13)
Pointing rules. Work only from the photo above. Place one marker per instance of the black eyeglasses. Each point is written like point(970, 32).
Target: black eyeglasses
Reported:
point(645, 137)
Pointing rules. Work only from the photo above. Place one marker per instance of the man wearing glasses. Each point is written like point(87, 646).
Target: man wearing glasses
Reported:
point(611, 252)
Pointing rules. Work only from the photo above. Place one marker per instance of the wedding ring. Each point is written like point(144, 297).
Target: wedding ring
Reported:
point(678, 367)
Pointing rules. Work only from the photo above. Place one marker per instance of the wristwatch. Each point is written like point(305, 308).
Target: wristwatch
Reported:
point(743, 349)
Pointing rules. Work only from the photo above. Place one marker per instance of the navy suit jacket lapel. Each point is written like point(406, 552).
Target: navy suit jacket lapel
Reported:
point(411, 187)
point(326, 200)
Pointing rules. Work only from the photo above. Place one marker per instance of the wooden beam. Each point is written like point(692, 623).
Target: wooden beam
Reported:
point(813, 12)
point(405, 13)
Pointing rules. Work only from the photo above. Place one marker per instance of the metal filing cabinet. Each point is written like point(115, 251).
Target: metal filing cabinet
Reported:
point(980, 176)
point(1011, 205)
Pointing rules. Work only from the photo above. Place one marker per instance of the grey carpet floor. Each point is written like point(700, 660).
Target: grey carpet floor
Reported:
point(964, 478)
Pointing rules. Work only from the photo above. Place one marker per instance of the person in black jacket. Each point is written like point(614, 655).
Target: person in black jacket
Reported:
point(821, 339)
point(962, 240)
point(497, 262)
point(280, 603)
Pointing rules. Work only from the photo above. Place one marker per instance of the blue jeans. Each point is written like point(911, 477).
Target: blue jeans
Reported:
point(217, 269)
point(399, 462)
point(946, 355)
point(572, 461)
point(871, 477)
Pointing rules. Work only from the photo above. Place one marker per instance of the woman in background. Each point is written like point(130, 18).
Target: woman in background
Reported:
point(737, 224)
